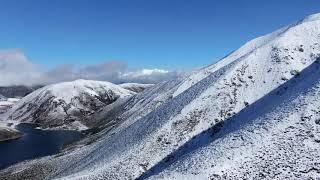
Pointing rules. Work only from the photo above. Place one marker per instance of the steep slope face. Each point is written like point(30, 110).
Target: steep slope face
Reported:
point(127, 112)
point(248, 48)
point(277, 137)
point(136, 87)
point(66, 104)
point(197, 104)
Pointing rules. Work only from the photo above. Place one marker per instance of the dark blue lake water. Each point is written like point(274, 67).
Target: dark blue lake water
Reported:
point(34, 143)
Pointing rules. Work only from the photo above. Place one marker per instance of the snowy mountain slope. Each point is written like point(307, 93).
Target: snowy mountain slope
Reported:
point(277, 137)
point(190, 107)
point(66, 104)
point(125, 113)
point(246, 49)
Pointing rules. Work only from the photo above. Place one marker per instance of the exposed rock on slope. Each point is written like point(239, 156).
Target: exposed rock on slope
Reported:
point(66, 104)
point(254, 105)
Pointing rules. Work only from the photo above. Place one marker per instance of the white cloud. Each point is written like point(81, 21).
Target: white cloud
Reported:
point(16, 69)
point(149, 75)
point(153, 71)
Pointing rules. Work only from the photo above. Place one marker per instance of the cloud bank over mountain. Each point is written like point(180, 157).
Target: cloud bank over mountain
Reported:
point(16, 69)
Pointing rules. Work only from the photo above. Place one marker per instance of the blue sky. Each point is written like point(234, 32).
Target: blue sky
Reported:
point(168, 34)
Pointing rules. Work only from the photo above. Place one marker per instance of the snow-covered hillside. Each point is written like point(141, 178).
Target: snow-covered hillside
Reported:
point(66, 105)
point(277, 137)
point(254, 114)
point(136, 87)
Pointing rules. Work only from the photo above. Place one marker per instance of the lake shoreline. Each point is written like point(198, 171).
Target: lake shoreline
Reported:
point(26, 141)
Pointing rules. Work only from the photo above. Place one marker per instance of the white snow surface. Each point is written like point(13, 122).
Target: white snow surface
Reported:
point(278, 137)
point(68, 90)
point(54, 104)
point(254, 115)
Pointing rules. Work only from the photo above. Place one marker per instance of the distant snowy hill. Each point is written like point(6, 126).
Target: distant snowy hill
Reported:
point(135, 87)
point(66, 105)
point(252, 115)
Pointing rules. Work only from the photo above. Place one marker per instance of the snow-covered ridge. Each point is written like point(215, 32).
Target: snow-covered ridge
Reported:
point(66, 104)
point(247, 48)
point(313, 17)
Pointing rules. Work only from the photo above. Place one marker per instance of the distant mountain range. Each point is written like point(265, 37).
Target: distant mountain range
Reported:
point(17, 91)
point(135, 87)
point(252, 115)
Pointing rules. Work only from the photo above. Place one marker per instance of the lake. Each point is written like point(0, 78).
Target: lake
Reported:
point(34, 143)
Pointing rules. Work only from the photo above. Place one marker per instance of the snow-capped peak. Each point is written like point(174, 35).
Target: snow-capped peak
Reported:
point(313, 17)
point(68, 90)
